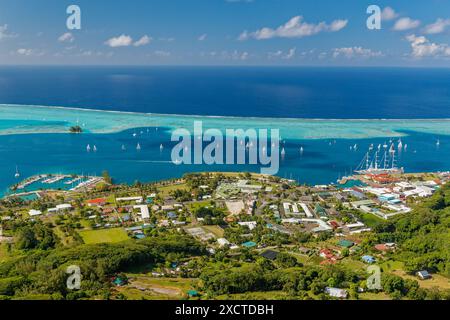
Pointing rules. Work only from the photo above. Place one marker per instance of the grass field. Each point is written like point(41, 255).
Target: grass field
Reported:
point(146, 287)
point(215, 230)
point(166, 190)
point(104, 236)
point(3, 253)
point(437, 281)
point(370, 220)
point(374, 296)
point(267, 295)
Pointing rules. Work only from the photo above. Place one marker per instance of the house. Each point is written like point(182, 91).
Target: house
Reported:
point(99, 202)
point(192, 293)
point(223, 242)
point(249, 244)
point(130, 199)
point(326, 254)
point(345, 244)
point(336, 293)
point(34, 213)
point(143, 211)
point(385, 247)
point(320, 211)
point(270, 254)
point(424, 275)
point(250, 224)
point(172, 215)
point(61, 207)
point(368, 259)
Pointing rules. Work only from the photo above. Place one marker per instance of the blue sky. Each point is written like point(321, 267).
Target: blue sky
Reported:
point(226, 32)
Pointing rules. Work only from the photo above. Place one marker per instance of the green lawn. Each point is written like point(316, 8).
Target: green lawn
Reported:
point(166, 190)
point(3, 253)
point(370, 220)
point(215, 230)
point(104, 236)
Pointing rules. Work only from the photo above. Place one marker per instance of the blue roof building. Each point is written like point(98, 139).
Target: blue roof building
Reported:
point(249, 244)
point(368, 259)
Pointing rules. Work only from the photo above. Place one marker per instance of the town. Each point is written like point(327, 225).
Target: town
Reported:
point(243, 220)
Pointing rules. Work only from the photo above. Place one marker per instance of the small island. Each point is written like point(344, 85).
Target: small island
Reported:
point(75, 129)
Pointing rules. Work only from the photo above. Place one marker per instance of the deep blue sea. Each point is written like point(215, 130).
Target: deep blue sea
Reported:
point(337, 93)
point(363, 93)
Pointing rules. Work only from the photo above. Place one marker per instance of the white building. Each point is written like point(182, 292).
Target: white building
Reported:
point(250, 224)
point(34, 213)
point(144, 212)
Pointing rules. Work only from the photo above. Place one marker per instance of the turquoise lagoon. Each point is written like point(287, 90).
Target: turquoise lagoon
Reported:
point(36, 139)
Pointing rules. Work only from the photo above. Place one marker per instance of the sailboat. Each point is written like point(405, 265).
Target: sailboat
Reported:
point(17, 175)
point(283, 152)
point(371, 163)
point(400, 144)
point(88, 148)
point(138, 147)
point(438, 142)
point(406, 147)
point(392, 149)
point(123, 148)
point(161, 147)
point(95, 148)
point(302, 150)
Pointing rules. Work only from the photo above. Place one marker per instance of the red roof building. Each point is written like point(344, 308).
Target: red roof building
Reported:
point(96, 202)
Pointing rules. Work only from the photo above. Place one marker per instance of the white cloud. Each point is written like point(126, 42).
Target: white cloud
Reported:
point(121, 41)
point(437, 27)
point(290, 54)
point(294, 28)
point(4, 33)
point(29, 52)
point(25, 52)
point(282, 55)
point(338, 25)
point(406, 23)
point(422, 47)
point(143, 41)
point(202, 37)
point(355, 52)
point(66, 37)
point(388, 14)
point(163, 54)
point(236, 55)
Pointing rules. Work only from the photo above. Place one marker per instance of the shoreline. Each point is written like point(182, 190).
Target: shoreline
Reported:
point(225, 117)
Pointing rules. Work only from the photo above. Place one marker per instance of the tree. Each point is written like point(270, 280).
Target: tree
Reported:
point(107, 177)
point(75, 129)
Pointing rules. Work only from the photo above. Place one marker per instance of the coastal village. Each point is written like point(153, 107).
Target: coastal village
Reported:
point(227, 212)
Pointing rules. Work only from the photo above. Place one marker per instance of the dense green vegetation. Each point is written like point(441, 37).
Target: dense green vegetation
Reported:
point(43, 272)
point(75, 129)
point(423, 235)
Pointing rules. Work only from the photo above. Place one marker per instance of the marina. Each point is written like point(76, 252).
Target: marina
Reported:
point(31, 187)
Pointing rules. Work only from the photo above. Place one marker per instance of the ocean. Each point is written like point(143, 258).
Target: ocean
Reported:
point(407, 104)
